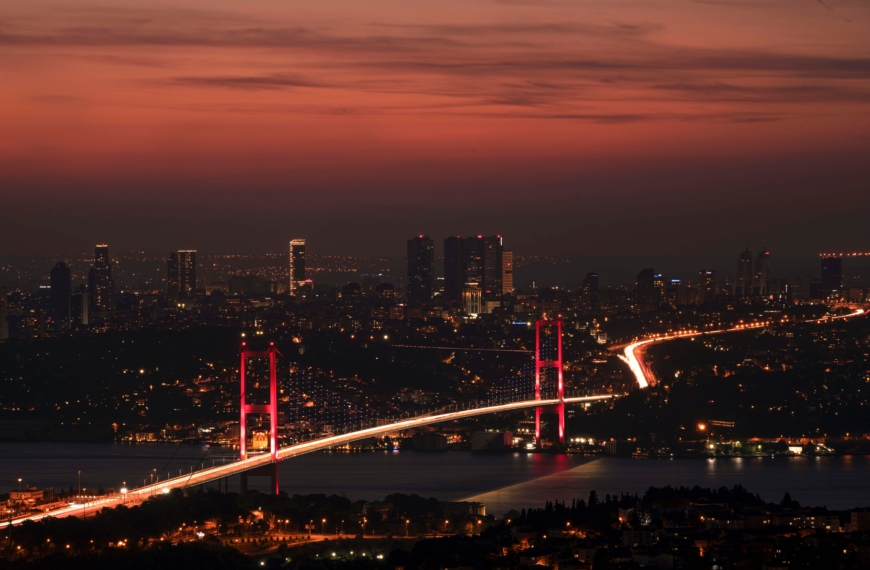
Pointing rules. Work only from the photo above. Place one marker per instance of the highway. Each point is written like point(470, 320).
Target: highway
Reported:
point(633, 353)
point(210, 474)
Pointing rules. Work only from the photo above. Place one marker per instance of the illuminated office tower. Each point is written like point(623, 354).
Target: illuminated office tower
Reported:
point(187, 273)
point(707, 286)
point(297, 264)
point(743, 280)
point(472, 299)
point(507, 272)
point(181, 274)
point(61, 289)
point(421, 269)
point(474, 260)
point(493, 252)
point(659, 284)
point(762, 273)
point(100, 283)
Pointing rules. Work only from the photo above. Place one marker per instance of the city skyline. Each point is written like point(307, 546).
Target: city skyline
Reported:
point(456, 284)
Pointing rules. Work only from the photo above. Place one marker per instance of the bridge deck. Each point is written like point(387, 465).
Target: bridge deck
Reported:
point(216, 472)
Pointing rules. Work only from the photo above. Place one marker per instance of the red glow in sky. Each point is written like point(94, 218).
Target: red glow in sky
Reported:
point(629, 116)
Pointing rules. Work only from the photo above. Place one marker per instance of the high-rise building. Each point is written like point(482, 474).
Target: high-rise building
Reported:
point(762, 273)
point(100, 283)
point(173, 278)
point(297, 264)
point(507, 272)
point(590, 290)
point(779, 290)
point(454, 275)
point(493, 250)
point(659, 284)
point(181, 274)
point(187, 273)
point(4, 326)
point(706, 286)
point(743, 281)
point(421, 269)
point(647, 292)
point(477, 260)
point(81, 306)
point(832, 275)
point(61, 289)
point(679, 293)
point(472, 299)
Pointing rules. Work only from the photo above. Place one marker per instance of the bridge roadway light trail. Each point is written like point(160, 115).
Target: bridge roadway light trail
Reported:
point(214, 473)
point(642, 373)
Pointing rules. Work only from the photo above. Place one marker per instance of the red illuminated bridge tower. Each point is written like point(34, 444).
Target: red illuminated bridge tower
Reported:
point(270, 408)
point(548, 358)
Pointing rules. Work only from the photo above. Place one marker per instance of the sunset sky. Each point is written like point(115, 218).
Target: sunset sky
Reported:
point(605, 126)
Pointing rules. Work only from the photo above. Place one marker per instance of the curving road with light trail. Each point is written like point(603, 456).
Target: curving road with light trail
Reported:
point(210, 474)
point(633, 353)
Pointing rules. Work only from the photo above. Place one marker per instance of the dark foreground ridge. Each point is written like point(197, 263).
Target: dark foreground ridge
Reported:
point(665, 528)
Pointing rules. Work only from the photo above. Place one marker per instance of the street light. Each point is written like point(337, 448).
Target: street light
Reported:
point(323, 522)
point(365, 520)
point(341, 529)
point(310, 524)
point(406, 527)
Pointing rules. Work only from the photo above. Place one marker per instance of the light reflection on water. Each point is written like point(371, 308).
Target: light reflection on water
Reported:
point(503, 482)
point(835, 482)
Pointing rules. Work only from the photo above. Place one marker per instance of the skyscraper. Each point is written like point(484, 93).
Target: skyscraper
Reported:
point(706, 286)
point(647, 292)
point(61, 289)
point(173, 279)
point(80, 306)
point(421, 269)
point(476, 260)
point(762, 273)
point(743, 281)
point(493, 249)
point(297, 264)
point(187, 273)
point(454, 275)
point(832, 275)
point(472, 299)
point(590, 290)
point(507, 272)
point(100, 284)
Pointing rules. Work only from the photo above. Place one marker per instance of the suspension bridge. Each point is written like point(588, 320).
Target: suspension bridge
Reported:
point(266, 464)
